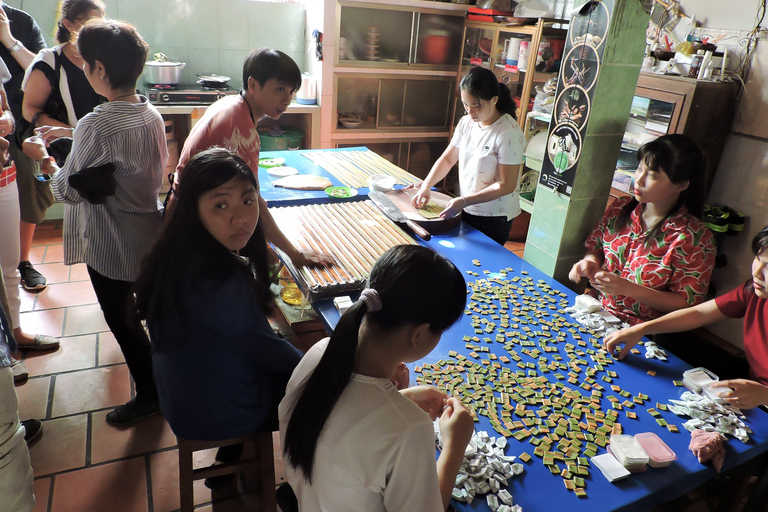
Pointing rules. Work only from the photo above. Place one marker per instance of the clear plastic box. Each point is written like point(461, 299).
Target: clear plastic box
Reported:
point(628, 452)
point(697, 378)
point(659, 454)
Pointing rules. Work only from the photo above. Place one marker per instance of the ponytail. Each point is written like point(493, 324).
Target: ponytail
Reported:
point(505, 105)
point(322, 389)
point(399, 279)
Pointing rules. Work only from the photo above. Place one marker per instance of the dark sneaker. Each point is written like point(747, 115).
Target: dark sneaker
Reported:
point(31, 279)
point(34, 429)
point(132, 412)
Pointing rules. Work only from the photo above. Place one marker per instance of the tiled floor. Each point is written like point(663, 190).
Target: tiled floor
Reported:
point(82, 464)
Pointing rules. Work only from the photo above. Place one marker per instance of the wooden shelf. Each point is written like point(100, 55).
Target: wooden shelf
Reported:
point(388, 134)
point(526, 205)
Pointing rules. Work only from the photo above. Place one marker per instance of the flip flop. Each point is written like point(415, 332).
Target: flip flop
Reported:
point(42, 342)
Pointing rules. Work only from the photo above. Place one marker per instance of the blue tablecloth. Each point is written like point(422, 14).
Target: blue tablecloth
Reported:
point(278, 196)
point(539, 490)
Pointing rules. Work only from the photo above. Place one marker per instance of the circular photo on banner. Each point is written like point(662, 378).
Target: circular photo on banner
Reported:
point(580, 67)
point(590, 27)
point(573, 106)
point(564, 147)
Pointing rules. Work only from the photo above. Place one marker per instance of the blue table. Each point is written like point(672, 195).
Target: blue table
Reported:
point(278, 196)
point(539, 490)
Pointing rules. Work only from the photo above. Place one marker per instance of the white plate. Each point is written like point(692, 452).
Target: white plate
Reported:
point(283, 170)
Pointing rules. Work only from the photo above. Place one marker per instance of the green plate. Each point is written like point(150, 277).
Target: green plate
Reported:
point(271, 162)
point(341, 192)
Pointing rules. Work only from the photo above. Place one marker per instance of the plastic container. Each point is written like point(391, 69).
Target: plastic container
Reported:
point(659, 454)
point(696, 379)
point(629, 453)
point(381, 182)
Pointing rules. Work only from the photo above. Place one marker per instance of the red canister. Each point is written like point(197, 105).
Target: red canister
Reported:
point(435, 47)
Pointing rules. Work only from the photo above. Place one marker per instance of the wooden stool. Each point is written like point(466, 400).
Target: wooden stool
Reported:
point(263, 460)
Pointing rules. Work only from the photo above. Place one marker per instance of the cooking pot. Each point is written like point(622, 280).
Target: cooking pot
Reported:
point(163, 72)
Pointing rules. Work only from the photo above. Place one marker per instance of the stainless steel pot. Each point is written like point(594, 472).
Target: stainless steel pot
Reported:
point(168, 72)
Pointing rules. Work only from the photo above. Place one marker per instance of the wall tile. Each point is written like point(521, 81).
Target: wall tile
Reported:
point(548, 221)
point(539, 259)
point(625, 41)
point(233, 24)
point(264, 24)
point(44, 12)
point(170, 23)
point(583, 216)
point(597, 164)
point(231, 64)
point(202, 32)
point(141, 14)
point(202, 62)
point(612, 102)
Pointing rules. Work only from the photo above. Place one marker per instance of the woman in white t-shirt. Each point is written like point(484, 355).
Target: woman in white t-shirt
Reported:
point(488, 145)
point(352, 441)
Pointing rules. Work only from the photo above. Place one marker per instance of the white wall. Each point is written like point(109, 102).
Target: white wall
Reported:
point(742, 176)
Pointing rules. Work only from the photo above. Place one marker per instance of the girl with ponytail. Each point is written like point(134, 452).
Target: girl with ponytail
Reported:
point(351, 440)
point(488, 145)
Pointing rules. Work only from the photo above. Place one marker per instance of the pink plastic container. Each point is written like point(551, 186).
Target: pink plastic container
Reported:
point(659, 454)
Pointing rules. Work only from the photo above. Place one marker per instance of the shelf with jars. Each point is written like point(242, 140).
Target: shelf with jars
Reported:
point(521, 56)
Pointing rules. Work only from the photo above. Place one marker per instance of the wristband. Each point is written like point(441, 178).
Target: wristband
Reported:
point(16, 47)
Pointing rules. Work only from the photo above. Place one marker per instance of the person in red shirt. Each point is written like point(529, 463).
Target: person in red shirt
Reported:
point(748, 301)
point(651, 253)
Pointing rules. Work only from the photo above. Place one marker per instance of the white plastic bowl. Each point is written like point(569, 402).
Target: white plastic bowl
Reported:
point(351, 122)
point(381, 182)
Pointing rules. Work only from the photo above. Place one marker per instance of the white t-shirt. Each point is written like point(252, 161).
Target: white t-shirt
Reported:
point(481, 150)
point(376, 452)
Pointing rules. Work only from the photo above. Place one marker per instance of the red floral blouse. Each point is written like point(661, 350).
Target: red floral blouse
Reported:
point(680, 259)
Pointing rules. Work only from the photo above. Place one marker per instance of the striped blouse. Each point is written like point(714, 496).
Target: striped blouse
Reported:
point(112, 238)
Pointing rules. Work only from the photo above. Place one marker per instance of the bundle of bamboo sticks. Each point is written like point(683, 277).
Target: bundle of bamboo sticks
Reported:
point(355, 234)
point(353, 168)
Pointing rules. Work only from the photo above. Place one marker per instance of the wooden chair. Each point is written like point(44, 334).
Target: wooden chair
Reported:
point(262, 461)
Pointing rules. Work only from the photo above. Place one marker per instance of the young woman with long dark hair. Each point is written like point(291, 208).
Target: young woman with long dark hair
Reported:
point(204, 290)
point(748, 301)
point(651, 253)
point(352, 441)
point(488, 145)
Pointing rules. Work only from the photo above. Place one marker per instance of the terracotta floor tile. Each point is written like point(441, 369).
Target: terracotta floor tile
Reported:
point(54, 272)
point(87, 390)
point(78, 272)
point(61, 447)
point(54, 254)
point(75, 353)
point(47, 237)
point(109, 350)
point(36, 254)
point(33, 398)
point(84, 320)
point(43, 322)
point(519, 253)
point(165, 481)
point(66, 294)
point(44, 226)
point(110, 443)
point(42, 493)
point(116, 487)
point(27, 300)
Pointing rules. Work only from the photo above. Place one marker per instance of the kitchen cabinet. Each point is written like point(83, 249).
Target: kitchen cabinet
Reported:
point(500, 48)
point(392, 65)
point(701, 109)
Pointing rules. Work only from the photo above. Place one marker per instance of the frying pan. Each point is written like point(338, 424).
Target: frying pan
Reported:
point(213, 80)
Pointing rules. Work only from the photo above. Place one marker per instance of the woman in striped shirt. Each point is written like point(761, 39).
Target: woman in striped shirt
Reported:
point(112, 235)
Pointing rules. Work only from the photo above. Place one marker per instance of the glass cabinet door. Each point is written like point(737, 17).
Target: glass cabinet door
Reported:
point(375, 35)
point(438, 38)
point(478, 48)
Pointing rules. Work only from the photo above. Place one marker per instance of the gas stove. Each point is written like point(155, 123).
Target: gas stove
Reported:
point(185, 94)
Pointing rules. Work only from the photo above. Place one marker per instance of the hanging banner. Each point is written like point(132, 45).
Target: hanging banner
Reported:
point(579, 73)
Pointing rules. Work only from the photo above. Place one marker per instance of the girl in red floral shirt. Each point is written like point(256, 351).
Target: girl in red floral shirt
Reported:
point(651, 254)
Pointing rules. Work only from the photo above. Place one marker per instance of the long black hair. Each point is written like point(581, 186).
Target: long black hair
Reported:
point(482, 83)
point(760, 242)
point(401, 277)
point(186, 254)
point(681, 159)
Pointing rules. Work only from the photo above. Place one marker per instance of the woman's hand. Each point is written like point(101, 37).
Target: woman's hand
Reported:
point(6, 38)
point(51, 133)
point(456, 425)
point(610, 283)
point(34, 148)
point(628, 337)
point(422, 197)
point(311, 259)
point(583, 268)
point(743, 393)
point(6, 124)
point(430, 399)
point(453, 208)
